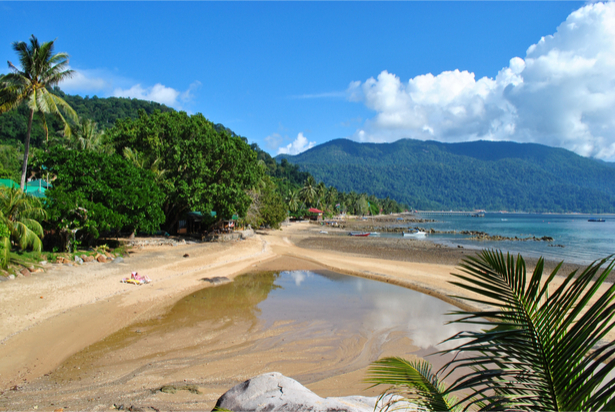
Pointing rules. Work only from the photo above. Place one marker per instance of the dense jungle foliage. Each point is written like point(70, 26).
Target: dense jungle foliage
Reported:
point(123, 149)
point(474, 175)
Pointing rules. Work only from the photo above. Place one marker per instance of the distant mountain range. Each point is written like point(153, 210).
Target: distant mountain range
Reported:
point(465, 176)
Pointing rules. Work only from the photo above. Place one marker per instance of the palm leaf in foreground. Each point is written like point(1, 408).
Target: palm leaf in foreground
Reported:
point(418, 385)
point(538, 351)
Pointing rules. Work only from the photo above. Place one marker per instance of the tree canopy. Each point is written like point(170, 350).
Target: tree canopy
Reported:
point(206, 169)
point(95, 192)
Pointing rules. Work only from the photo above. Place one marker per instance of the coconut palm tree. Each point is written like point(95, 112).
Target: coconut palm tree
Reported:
point(86, 136)
point(292, 200)
point(321, 191)
point(540, 349)
point(40, 70)
point(308, 191)
point(142, 162)
point(21, 214)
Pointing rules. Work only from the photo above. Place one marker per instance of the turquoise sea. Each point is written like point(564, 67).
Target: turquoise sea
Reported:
point(582, 241)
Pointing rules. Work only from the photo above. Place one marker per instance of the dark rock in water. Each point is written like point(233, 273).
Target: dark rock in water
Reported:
point(274, 392)
point(217, 280)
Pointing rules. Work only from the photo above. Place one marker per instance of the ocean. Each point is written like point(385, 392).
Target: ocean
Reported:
point(582, 241)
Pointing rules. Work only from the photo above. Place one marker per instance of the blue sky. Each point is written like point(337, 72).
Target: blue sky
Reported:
point(288, 75)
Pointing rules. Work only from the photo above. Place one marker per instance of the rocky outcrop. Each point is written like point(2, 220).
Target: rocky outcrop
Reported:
point(273, 392)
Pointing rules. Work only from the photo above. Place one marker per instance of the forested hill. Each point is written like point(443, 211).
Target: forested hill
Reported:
point(104, 111)
point(473, 175)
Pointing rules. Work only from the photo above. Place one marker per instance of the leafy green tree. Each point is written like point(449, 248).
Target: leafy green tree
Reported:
point(40, 70)
point(273, 209)
point(94, 192)
point(538, 349)
point(206, 169)
point(22, 215)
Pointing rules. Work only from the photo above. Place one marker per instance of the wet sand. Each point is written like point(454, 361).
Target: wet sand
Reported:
point(54, 355)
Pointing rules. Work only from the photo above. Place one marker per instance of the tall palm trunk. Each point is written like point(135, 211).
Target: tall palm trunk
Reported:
point(24, 168)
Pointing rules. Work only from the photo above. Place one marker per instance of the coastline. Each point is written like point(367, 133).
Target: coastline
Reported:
point(82, 305)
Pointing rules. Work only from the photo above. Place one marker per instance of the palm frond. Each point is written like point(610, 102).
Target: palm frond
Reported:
point(536, 350)
point(410, 382)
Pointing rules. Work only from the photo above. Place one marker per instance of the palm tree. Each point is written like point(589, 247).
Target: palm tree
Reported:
point(321, 190)
point(308, 191)
point(292, 200)
point(539, 350)
point(40, 69)
point(87, 136)
point(142, 162)
point(21, 214)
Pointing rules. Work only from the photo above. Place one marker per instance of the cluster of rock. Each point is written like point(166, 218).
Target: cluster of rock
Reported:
point(101, 257)
point(18, 272)
point(476, 235)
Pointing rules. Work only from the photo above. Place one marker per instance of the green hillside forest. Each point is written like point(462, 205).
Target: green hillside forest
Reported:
point(465, 176)
point(132, 166)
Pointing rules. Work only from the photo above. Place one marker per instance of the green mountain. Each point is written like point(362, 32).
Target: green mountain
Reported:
point(465, 176)
point(104, 111)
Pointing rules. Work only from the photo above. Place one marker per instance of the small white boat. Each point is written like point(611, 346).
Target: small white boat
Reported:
point(323, 232)
point(374, 234)
point(414, 233)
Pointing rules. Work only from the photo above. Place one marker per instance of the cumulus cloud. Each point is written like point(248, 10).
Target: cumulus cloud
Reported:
point(561, 94)
point(300, 144)
point(158, 93)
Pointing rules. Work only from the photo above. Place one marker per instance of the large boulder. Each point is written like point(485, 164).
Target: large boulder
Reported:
point(272, 392)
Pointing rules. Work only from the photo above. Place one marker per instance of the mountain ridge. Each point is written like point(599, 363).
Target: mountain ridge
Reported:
point(478, 174)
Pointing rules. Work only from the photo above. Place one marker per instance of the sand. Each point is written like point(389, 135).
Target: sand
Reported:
point(63, 333)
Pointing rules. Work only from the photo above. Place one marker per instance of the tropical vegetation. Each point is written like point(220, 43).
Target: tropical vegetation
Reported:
point(40, 70)
point(540, 348)
point(119, 165)
point(96, 193)
point(465, 176)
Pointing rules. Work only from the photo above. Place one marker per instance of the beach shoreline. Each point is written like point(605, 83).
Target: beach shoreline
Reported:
point(51, 317)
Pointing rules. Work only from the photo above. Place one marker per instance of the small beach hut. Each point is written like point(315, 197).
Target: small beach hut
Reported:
point(315, 214)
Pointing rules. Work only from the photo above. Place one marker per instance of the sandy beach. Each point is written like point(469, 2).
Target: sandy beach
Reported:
point(69, 335)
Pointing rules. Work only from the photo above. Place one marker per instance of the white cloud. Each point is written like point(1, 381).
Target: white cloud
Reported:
point(562, 94)
point(274, 141)
point(159, 93)
point(85, 81)
point(300, 144)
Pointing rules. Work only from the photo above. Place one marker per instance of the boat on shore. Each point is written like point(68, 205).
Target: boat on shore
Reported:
point(359, 234)
point(414, 233)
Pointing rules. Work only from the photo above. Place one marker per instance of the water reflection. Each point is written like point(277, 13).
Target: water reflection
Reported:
point(312, 326)
point(354, 304)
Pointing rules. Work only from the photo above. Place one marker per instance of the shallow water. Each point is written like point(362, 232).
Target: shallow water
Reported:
point(321, 328)
point(582, 241)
